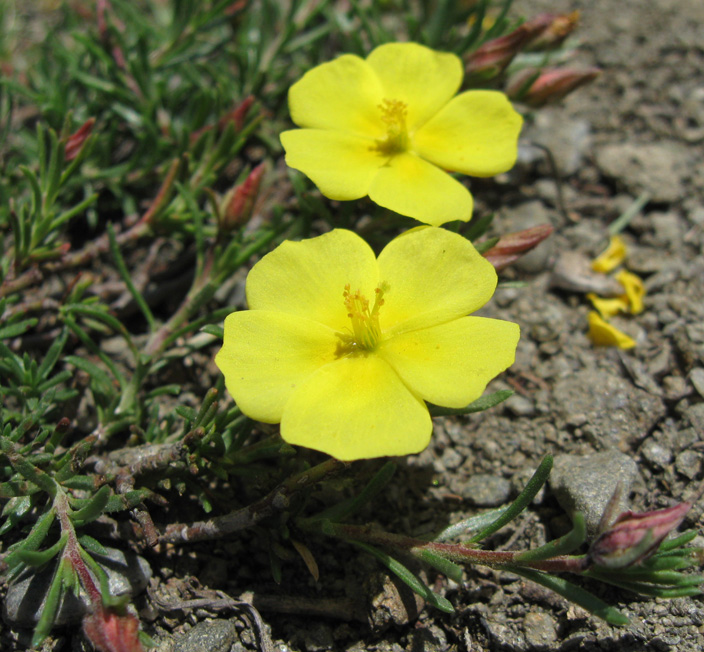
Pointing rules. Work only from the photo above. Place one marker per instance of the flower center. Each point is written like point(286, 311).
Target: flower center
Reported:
point(393, 115)
point(366, 331)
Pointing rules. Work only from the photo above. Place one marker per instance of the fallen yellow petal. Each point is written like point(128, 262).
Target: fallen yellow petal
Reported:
point(609, 307)
point(601, 333)
point(635, 290)
point(611, 257)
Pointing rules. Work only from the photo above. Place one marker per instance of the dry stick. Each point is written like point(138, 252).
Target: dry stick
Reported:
point(240, 519)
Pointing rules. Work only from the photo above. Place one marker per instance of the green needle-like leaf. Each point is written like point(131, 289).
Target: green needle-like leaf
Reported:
point(445, 566)
point(522, 501)
point(573, 593)
point(95, 507)
point(409, 578)
point(41, 557)
point(481, 404)
point(562, 546)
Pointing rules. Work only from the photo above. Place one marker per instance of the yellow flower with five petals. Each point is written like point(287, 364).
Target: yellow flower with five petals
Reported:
point(390, 125)
point(343, 348)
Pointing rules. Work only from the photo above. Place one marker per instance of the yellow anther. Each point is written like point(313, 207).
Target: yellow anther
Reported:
point(366, 331)
point(393, 115)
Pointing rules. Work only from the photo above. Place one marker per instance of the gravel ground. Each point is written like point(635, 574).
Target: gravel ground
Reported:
point(607, 415)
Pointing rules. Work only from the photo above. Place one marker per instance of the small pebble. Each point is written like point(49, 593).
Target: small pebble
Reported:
point(697, 379)
point(586, 483)
point(656, 454)
point(487, 490)
point(539, 629)
point(213, 636)
point(520, 406)
point(573, 272)
point(676, 387)
point(687, 463)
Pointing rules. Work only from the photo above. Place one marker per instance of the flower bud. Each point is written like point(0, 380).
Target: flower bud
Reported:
point(537, 88)
point(633, 537)
point(492, 58)
point(512, 246)
point(109, 631)
point(239, 202)
point(551, 30)
point(237, 115)
point(75, 142)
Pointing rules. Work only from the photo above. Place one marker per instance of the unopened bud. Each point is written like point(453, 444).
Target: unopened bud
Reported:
point(552, 30)
point(512, 246)
point(634, 536)
point(75, 142)
point(239, 202)
point(492, 58)
point(237, 115)
point(540, 87)
point(110, 631)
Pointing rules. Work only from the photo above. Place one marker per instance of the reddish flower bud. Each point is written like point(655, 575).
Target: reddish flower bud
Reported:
point(511, 246)
point(551, 30)
point(492, 58)
point(238, 114)
point(634, 537)
point(75, 142)
point(109, 631)
point(540, 87)
point(239, 202)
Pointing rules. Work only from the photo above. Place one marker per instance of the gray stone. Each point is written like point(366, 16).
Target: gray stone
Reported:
point(688, 463)
point(487, 490)
point(318, 638)
point(587, 483)
point(520, 406)
point(675, 387)
point(618, 414)
point(656, 168)
point(696, 376)
point(128, 574)
point(695, 415)
point(568, 139)
point(429, 639)
point(656, 454)
point(539, 629)
point(213, 636)
point(573, 272)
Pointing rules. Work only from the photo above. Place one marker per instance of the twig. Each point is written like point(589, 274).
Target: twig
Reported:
point(240, 519)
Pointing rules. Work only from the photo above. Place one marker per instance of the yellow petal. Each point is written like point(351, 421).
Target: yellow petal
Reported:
point(356, 408)
point(411, 186)
point(611, 257)
point(608, 308)
point(601, 333)
point(476, 133)
point(635, 290)
point(434, 276)
point(308, 278)
point(343, 95)
point(422, 78)
point(451, 364)
point(342, 165)
point(267, 355)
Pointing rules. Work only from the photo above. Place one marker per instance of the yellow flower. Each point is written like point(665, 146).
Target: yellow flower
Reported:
point(608, 307)
point(388, 126)
point(343, 349)
point(635, 290)
point(602, 333)
point(611, 257)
